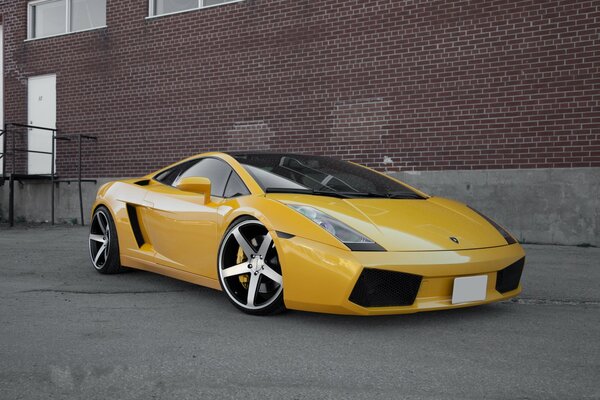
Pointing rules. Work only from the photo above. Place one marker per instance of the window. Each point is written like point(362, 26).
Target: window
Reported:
point(169, 6)
point(48, 18)
point(266, 178)
point(55, 17)
point(323, 174)
point(86, 14)
point(216, 171)
point(160, 7)
point(169, 176)
point(235, 187)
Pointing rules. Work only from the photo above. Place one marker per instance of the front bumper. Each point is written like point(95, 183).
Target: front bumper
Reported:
point(321, 278)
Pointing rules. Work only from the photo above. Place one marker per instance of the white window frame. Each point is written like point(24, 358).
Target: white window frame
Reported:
point(152, 11)
point(68, 31)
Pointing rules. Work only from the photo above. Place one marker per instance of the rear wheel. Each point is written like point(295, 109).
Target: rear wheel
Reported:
point(249, 268)
point(103, 243)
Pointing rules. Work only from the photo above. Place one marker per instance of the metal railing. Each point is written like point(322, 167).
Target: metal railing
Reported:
point(51, 177)
point(2, 155)
point(80, 138)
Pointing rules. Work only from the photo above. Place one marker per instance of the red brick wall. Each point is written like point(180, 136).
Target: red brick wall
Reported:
point(430, 84)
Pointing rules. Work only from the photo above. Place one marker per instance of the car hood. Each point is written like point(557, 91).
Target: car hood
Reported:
point(407, 224)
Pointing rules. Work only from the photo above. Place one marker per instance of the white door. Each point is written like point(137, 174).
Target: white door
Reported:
point(42, 112)
point(1, 97)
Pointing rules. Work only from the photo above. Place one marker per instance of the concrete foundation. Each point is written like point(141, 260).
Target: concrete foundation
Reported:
point(551, 206)
point(33, 201)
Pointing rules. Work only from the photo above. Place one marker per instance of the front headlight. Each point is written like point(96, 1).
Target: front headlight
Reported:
point(507, 236)
point(350, 237)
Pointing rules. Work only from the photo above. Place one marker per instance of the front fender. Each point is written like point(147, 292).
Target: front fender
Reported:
point(276, 217)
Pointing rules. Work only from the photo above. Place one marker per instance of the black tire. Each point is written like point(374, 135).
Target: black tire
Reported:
point(258, 269)
point(104, 243)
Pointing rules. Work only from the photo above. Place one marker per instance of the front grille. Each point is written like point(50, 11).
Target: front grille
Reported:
point(381, 288)
point(509, 277)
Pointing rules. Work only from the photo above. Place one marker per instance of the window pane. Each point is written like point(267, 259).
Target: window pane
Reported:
point(168, 6)
point(267, 179)
point(235, 187)
point(87, 14)
point(169, 176)
point(216, 171)
point(296, 171)
point(49, 18)
point(214, 2)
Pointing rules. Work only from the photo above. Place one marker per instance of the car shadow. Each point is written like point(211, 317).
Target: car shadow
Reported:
point(439, 318)
point(433, 318)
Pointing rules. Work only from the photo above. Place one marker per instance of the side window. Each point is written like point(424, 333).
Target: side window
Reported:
point(169, 176)
point(216, 171)
point(235, 187)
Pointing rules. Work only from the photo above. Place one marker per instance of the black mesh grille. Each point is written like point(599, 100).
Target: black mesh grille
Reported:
point(509, 277)
point(380, 288)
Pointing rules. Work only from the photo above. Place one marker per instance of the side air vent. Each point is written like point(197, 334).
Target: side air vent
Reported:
point(144, 182)
point(509, 277)
point(381, 288)
point(135, 225)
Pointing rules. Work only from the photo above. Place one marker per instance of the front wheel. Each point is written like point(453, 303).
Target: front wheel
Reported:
point(249, 268)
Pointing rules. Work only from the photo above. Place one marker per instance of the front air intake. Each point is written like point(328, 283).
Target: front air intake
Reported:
point(382, 288)
point(509, 277)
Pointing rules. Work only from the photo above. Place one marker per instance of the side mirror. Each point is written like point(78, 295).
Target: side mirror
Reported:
point(196, 184)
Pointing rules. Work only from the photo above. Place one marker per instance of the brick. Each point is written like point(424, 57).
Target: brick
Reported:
point(432, 85)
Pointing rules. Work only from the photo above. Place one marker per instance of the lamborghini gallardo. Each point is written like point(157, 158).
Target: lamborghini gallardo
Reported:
point(313, 233)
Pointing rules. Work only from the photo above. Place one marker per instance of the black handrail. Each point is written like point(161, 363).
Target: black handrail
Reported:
point(53, 180)
point(44, 128)
point(2, 133)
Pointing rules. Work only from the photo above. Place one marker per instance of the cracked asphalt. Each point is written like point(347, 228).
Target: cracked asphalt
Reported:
point(69, 332)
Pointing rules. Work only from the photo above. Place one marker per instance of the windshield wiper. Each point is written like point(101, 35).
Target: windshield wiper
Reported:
point(346, 195)
point(307, 191)
point(388, 195)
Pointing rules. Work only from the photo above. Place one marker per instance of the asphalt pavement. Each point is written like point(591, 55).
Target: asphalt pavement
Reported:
point(69, 332)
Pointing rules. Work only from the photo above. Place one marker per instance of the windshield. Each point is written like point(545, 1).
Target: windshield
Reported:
point(319, 175)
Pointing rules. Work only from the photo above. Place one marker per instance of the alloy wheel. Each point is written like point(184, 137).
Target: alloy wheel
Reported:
point(99, 241)
point(249, 267)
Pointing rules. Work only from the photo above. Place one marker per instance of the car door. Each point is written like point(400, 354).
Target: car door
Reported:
point(181, 227)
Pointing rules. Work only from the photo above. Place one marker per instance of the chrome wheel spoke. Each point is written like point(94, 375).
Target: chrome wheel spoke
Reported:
point(236, 270)
point(271, 274)
point(101, 224)
point(246, 247)
point(101, 251)
point(97, 238)
point(252, 288)
point(265, 246)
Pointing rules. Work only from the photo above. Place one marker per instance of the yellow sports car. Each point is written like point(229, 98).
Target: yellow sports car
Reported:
point(277, 231)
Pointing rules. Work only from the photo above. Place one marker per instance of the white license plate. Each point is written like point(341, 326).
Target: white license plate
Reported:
point(470, 288)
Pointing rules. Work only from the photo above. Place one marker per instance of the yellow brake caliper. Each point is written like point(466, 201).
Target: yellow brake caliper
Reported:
point(241, 257)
